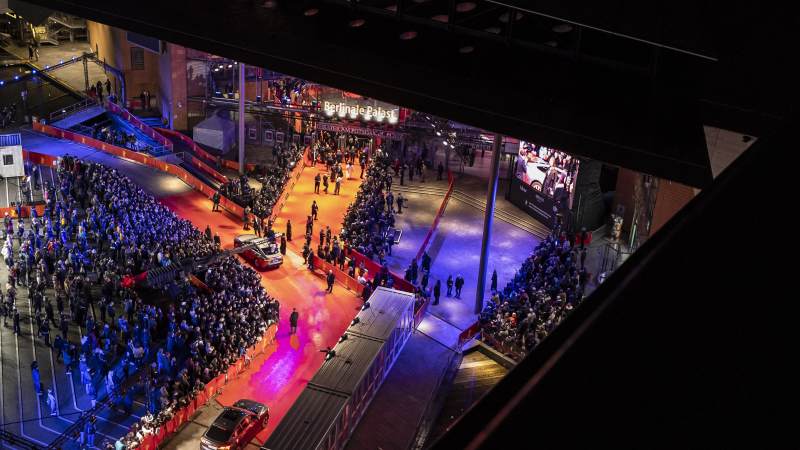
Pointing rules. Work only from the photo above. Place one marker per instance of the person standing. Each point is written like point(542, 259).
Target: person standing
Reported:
point(325, 183)
point(52, 402)
point(317, 180)
point(402, 173)
point(314, 209)
point(141, 99)
point(256, 225)
point(89, 430)
point(208, 236)
point(293, 321)
point(289, 230)
point(400, 203)
point(423, 170)
point(283, 245)
point(36, 379)
point(584, 237)
point(331, 279)
point(440, 171)
point(449, 283)
point(216, 198)
point(459, 285)
point(494, 280)
point(17, 329)
point(146, 97)
point(414, 269)
point(437, 291)
point(583, 257)
point(217, 239)
point(338, 186)
point(246, 218)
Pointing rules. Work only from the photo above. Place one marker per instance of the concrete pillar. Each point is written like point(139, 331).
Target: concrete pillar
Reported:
point(241, 118)
point(494, 171)
point(72, 35)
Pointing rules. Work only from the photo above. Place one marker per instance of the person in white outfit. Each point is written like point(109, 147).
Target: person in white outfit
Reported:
point(52, 402)
point(349, 169)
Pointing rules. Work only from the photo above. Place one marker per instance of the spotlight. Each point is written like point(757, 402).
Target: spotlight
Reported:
point(438, 133)
point(230, 65)
point(444, 142)
point(46, 67)
point(33, 71)
point(366, 306)
point(216, 70)
point(16, 77)
point(343, 338)
point(61, 61)
point(427, 117)
point(356, 321)
point(73, 58)
point(2, 82)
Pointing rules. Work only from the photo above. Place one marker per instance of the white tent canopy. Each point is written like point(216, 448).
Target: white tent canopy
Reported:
point(216, 133)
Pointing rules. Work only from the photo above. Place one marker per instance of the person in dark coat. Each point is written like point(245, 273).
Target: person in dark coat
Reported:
point(217, 240)
point(459, 285)
point(365, 294)
point(331, 278)
point(399, 203)
point(314, 209)
point(440, 171)
point(293, 321)
point(583, 257)
point(17, 329)
point(449, 284)
point(317, 180)
point(311, 260)
point(288, 230)
point(494, 280)
point(216, 198)
point(584, 237)
point(437, 291)
point(246, 218)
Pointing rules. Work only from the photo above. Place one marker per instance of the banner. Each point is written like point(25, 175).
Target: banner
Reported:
point(534, 203)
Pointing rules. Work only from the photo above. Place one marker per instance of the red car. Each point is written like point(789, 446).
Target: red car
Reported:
point(236, 426)
point(265, 255)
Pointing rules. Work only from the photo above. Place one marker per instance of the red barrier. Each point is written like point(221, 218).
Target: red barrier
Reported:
point(149, 443)
point(507, 350)
point(435, 223)
point(420, 314)
point(372, 268)
point(81, 139)
point(467, 334)
point(40, 158)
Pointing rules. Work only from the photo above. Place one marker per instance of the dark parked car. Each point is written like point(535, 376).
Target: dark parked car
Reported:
point(236, 426)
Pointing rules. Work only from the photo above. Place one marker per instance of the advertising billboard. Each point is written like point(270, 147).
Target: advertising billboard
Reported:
point(533, 202)
point(549, 171)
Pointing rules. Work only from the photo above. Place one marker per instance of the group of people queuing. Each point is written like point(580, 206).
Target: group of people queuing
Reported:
point(99, 228)
point(550, 284)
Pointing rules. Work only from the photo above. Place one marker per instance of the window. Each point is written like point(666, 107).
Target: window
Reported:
point(8, 160)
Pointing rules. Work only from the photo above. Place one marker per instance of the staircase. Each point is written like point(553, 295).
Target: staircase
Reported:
point(531, 227)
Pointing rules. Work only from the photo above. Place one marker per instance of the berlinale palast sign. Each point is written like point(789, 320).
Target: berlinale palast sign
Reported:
point(368, 112)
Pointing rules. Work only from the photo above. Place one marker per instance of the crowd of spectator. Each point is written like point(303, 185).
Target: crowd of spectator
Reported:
point(208, 332)
point(543, 292)
point(119, 233)
point(372, 213)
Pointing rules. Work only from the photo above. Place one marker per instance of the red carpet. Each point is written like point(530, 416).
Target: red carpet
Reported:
point(277, 377)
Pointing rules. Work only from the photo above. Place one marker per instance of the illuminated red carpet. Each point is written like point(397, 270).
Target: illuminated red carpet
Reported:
point(277, 377)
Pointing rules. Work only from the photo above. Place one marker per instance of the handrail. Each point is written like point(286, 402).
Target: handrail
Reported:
point(69, 110)
point(418, 442)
